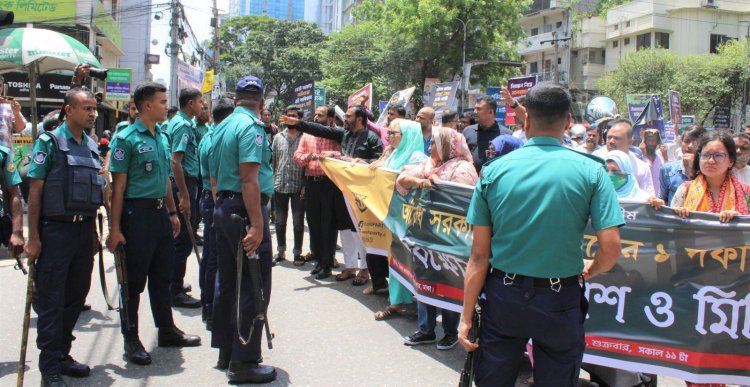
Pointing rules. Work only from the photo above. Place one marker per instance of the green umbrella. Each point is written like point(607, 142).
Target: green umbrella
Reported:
point(38, 51)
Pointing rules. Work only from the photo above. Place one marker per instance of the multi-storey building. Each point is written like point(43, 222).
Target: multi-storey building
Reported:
point(279, 9)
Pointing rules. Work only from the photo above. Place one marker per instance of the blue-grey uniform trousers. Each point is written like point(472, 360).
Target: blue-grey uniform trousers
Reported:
point(515, 312)
point(209, 260)
point(63, 278)
point(183, 246)
point(148, 255)
point(224, 333)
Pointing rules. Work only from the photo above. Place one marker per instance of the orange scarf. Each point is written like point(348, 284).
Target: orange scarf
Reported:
point(731, 196)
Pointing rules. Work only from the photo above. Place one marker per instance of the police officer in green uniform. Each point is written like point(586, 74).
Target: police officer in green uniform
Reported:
point(66, 190)
point(241, 163)
point(183, 139)
point(144, 220)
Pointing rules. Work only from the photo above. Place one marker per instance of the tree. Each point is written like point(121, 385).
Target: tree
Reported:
point(281, 53)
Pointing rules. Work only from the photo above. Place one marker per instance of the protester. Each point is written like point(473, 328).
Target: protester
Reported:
point(502, 145)
point(621, 175)
point(11, 118)
point(714, 188)
point(741, 170)
point(526, 253)
point(425, 117)
point(449, 119)
point(747, 128)
point(578, 135)
point(467, 119)
point(620, 137)
point(593, 139)
point(145, 216)
point(394, 112)
point(516, 106)
point(674, 173)
point(479, 136)
point(654, 154)
point(288, 182)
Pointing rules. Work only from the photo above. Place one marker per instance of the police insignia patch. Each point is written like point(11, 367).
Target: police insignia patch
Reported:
point(258, 139)
point(185, 138)
point(149, 167)
point(40, 157)
point(11, 167)
point(119, 154)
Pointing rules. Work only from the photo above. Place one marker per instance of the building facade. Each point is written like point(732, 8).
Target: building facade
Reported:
point(137, 42)
point(279, 9)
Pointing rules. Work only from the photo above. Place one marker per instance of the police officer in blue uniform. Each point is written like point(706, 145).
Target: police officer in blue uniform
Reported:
point(183, 140)
point(240, 162)
point(66, 190)
point(144, 220)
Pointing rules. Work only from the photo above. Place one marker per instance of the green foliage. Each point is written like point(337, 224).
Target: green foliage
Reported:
point(704, 81)
point(602, 6)
point(280, 52)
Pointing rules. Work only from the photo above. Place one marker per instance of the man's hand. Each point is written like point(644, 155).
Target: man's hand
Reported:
point(289, 120)
point(682, 212)
point(81, 72)
point(33, 248)
point(329, 154)
point(185, 205)
point(507, 98)
point(362, 99)
point(16, 244)
point(175, 220)
point(114, 239)
point(302, 193)
point(16, 107)
point(463, 336)
point(252, 240)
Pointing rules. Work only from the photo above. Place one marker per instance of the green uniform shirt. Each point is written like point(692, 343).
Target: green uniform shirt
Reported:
point(121, 125)
point(9, 168)
point(204, 150)
point(538, 200)
point(240, 138)
point(201, 130)
point(144, 158)
point(182, 138)
point(44, 152)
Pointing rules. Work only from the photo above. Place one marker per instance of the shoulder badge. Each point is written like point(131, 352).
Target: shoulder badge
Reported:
point(11, 167)
point(119, 154)
point(40, 157)
point(185, 138)
point(259, 139)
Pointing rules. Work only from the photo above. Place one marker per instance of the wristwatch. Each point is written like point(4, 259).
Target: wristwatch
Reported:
point(515, 104)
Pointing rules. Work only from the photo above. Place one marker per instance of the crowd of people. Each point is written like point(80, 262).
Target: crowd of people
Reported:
point(163, 171)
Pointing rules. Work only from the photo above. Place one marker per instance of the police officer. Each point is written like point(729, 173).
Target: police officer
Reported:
point(240, 162)
point(208, 267)
point(183, 140)
point(144, 220)
point(65, 192)
point(529, 211)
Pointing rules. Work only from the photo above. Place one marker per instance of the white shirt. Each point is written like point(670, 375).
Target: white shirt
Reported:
point(584, 149)
point(641, 170)
point(742, 174)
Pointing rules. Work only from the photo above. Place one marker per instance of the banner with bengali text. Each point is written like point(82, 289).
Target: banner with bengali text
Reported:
point(677, 303)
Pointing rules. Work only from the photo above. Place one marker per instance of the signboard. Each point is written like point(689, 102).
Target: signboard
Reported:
point(208, 81)
point(304, 98)
point(518, 87)
point(669, 132)
point(675, 107)
point(118, 85)
point(382, 105)
point(39, 11)
point(320, 96)
point(400, 97)
point(654, 118)
point(442, 98)
point(428, 82)
point(188, 76)
point(354, 98)
point(688, 120)
point(722, 115)
point(216, 90)
point(495, 93)
point(50, 86)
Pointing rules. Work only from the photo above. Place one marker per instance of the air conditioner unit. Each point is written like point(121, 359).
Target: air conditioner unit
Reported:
point(710, 3)
point(98, 51)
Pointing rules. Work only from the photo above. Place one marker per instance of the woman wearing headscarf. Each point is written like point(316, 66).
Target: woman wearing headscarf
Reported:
point(621, 173)
point(502, 145)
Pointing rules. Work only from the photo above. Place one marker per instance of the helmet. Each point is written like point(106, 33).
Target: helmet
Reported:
point(600, 107)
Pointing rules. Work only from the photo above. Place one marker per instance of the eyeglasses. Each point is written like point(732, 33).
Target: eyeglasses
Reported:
point(718, 156)
point(393, 133)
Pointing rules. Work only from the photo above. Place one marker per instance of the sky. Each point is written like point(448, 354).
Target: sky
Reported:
point(198, 13)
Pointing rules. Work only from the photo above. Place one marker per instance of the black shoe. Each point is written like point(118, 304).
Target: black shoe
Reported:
point(183, 300)
point(70, 367)
point(204, 314)
point(323, 274)
point(318, 268)
point(223, 363)
point(210, 324)
point(85, 308)
point(173, 337)
point(186, 288)
point(135, 352)
point(299, 260)
point(56, 380)
point(279, 258)
point(250, 373)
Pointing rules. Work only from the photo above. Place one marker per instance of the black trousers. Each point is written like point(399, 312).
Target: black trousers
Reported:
point(63, 278)
point(320, 202)
point(377, 265)
point(183, 246)
point(282, 202)
point(148, 256)
point(516, 312)
point(224, 333)
point(209, 260)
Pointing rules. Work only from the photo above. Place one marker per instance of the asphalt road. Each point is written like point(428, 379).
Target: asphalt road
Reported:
point(325, 336)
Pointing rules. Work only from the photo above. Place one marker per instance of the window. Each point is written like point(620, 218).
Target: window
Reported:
point(575, 53)
point(626, 41)
point(533, 68)
point(558, 24)
point(534, 31)
point(661, 39)
point(604, 56)
point(548, 28)
point(615, 44)
point(716, 41)
point(643, 41)
point(559, 60)
point(627, 24)
point(616, 27)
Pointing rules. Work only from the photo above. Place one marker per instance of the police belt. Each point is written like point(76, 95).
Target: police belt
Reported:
point(155, 204)
point(553, 283)
point(68, 218)
point(206, 194)
point(188, 180)
point(264, 199)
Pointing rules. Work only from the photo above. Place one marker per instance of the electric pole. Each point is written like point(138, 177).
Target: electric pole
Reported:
point(217, 37)
point(174, 50)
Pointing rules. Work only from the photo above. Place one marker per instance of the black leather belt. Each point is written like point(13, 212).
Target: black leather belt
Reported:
point(188, 180)
point(552, 283)
point(146, 203)
point(264, 199)
point(206, 193)
point(318, 178)
point(68, 218)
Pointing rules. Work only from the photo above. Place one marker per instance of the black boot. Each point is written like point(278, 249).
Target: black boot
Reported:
point(135, 352)
point(173, 337)
point(241, 372)
point(53, 380)
point(70, 367)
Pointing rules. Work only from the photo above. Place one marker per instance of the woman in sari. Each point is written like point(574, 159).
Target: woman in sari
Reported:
point(450, 160)
point(621, 173)
point(714, 188)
